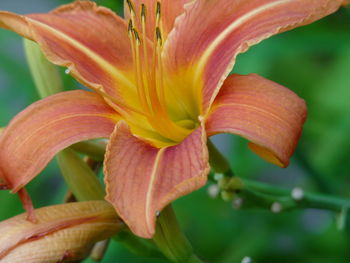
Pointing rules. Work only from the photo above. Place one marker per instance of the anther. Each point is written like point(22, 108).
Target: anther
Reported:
point(130, 28)
point(131, 7)
point(143, 12)
point(158, 9)
point(159, 36)
point(137, 37)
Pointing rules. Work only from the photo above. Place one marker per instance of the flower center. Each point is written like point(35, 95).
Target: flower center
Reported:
point(156, 121)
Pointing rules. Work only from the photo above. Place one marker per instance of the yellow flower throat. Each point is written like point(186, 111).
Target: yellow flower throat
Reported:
point(150, 115)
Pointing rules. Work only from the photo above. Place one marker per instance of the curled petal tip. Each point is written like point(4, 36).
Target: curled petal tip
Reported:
point(262, 111)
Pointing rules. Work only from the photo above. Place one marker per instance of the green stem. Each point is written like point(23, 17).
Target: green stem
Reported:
point(323, 185)
point(45, 74)
point(262, 195)
point(77, 173)
point(217, 161)
point(309, 200)
point(137, 245)
point(171, 240)
point(94, 149)
point(194, 259)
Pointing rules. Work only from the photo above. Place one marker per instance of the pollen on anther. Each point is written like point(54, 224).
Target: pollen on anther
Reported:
point(130, 28)
point(143, 12)
point(158, 9)
point(137, 36)
point(131, 7)
point(159, 36)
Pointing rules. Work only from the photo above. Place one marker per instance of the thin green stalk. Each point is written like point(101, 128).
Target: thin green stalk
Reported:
point(322, 184)
point(309, 200)
point(217, 161)
point(45, 74)
point(255, 194)
point(77, 173)
point(94, 149)
point(170, 239)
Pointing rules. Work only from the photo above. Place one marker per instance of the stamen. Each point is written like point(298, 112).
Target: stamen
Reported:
point(144, 34)
point(130, 27)
point(143, 13)
point(131, 8)
point(159, 37)
point(149, 77)
point(145, 51)
point(138, 73)
point(158, 13)
point(160, 70)
point(137, 37)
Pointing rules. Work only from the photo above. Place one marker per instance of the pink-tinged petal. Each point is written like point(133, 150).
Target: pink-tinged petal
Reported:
point(92, 41)
point(170, 10)
point(142, 180)
point(36, 134)
point(262, 111)
point(62, 233)
point(210, 34)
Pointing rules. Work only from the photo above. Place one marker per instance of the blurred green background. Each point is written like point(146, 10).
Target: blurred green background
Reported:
point(313, 61)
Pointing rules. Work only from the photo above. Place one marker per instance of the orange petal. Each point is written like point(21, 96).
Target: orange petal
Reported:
point(269, 115)
point(92, 41)
point(170, 10)
point(36, 134)
point(206, 40)
point(63, 233)
point(141, 180)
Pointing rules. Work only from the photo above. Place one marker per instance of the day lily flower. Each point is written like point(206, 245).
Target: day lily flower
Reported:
point(160, 86)
point(63, 233)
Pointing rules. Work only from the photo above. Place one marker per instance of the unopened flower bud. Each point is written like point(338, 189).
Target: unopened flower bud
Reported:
point(63, 233)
